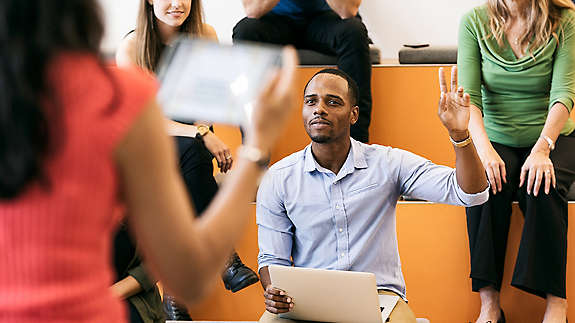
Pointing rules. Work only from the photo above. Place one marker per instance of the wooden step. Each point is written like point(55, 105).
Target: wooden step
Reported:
point(433, 246)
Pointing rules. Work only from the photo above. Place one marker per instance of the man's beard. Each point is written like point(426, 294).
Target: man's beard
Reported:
point(320, 139)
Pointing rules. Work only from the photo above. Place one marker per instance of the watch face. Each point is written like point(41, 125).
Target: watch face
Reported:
point(202, 129)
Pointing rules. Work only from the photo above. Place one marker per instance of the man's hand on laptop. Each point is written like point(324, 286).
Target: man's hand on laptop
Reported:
point(277, 301)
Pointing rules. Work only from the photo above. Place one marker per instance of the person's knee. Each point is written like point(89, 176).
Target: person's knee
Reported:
point(247, 29)
point(352, 29)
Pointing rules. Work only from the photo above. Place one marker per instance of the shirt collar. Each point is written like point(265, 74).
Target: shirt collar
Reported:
point(357, 151)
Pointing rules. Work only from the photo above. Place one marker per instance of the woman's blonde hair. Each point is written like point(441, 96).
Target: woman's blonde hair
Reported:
point(149, 44)
point(542, 18)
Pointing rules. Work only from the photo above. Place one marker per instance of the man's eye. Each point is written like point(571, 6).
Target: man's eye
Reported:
point(309, 101)
point(333, 102)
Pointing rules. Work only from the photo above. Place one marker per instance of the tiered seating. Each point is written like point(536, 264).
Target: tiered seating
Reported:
point(432, 238)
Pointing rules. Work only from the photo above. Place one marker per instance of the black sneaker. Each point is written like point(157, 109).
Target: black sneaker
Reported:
point(175, 311)
point(238, 276)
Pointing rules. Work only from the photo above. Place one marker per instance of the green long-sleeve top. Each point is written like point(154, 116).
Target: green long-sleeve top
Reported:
point(515, 94)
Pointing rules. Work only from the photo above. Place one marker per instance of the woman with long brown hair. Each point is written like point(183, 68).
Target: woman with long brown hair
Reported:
point(159, 22)
point(516, 60)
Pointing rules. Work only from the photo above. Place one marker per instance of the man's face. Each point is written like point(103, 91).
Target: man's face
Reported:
point(327, 112)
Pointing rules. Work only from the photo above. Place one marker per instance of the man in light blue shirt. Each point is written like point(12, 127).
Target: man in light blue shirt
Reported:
point(332, 205)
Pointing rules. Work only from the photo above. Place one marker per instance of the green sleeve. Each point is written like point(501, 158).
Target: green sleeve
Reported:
point(563, 81)
point(469, 60)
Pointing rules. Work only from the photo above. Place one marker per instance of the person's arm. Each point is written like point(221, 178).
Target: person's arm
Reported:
point(126, 288)
point(345, 8)
point(209, 33)
point(275, 239)
point(126, 52)
point(176, 245)
point(467, 184)
point(258, 8)
point(454, 113)
point(538, 166)
point(469, 76)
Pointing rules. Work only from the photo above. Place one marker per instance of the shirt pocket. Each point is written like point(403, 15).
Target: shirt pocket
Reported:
point(357, 190)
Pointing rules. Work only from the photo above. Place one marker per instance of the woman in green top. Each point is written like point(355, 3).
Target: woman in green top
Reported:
point(517, 62)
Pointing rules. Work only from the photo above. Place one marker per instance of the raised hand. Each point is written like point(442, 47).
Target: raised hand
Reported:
point(453, 108)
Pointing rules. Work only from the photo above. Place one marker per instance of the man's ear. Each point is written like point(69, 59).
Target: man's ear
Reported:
point(354, 114)
point(151, 2)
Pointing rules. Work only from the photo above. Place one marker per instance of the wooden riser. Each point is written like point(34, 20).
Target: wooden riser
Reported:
point(434, 252)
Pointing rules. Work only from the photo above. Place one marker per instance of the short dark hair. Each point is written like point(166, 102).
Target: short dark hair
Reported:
point(352, 89)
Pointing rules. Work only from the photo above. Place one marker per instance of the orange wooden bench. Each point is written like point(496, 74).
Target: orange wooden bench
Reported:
point(433, 241)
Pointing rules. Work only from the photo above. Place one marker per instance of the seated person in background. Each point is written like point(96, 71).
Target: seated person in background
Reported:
point(332, 205)
point(517, 63)
point(329, 26)
point(134, 284)
point(159, 22)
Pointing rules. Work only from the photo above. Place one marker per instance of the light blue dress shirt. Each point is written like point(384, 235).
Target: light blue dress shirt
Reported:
point(308, 216)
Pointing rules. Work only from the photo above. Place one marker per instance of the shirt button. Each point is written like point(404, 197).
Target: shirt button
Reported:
point(337, 207)
point(343, 254)
point(340, 230)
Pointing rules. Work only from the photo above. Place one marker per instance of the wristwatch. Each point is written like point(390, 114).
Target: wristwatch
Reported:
point(254, 155)
point(202, 131)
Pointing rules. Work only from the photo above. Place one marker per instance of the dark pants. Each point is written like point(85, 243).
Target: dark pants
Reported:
point(540, 267)
point(197, 171)
point(327, 33)
point(135, 316)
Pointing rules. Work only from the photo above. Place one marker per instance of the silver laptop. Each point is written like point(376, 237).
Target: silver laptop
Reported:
point(329, 295)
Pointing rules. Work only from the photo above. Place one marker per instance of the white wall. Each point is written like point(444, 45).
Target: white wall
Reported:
point(391, 23)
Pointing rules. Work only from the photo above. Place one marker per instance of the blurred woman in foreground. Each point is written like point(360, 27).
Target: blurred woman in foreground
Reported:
point(75, 139)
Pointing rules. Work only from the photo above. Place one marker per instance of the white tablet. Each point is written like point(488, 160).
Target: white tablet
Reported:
point(207, 81)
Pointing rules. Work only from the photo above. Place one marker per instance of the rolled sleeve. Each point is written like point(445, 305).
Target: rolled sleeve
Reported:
point(141, 276)
point(471, 199)
point(275, 229)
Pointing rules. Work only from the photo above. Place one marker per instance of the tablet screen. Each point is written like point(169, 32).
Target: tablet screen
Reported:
point(204, 80)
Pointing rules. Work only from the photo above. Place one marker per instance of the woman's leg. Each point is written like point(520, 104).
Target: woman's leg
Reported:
point(542, 258)
point(197, 172)
point(488, 228)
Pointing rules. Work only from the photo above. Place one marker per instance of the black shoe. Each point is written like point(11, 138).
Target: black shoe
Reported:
point(238, 276)
point(175, 311)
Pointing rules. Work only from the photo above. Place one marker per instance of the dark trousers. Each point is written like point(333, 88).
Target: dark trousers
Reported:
point(197, 171)
point(541, 262)
point(327, 33)
point(135, 316)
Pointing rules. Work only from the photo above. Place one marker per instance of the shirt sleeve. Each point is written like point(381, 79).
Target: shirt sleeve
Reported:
point(275, 229)
point(563, 81)
point(421, 179)
point(469, 60)
point(141, 276)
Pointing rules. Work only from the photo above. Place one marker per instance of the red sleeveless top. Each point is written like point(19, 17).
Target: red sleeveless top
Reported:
point(55, 238)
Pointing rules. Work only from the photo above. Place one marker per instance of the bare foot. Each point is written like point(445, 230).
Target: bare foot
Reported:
point(556, 311)
point(490, 309)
